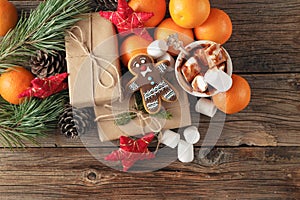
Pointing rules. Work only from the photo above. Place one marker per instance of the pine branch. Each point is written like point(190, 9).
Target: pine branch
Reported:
point(29, 120)
point(163, 114)
point(126, 117)
point(42, 30)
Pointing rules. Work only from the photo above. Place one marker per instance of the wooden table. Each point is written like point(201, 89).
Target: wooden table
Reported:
point(257, 155)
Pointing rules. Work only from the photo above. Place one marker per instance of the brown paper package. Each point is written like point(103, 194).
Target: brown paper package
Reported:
point(180, 111)
point(98, 35)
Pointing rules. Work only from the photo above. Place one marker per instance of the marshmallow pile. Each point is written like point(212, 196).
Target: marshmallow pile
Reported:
point(205, 69)
point(185, 149)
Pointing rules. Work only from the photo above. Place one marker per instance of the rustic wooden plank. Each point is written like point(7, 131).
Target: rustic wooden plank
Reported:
point(69, 173)
point(265, 33)
point(271, 119)
point(25, 6)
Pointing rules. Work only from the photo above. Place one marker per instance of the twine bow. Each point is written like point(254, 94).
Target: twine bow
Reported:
point(95, 59)
point(143, 118)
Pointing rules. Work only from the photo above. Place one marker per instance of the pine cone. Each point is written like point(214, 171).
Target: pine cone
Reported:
point(74, 122)
point(45, 65)
point(107, 5)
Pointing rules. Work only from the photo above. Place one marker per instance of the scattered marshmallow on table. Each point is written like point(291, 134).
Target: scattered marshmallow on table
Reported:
point(170, 138)
point(191, 134)
point(206, 107)
point(185, 149)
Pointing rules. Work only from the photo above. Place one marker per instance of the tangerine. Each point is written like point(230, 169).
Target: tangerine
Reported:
point(8, 16)
point(131, 46)
point(236, 98)
point(158, 7)
point(13, 82)
point(217, 27)
point(168, 27)
point(189, 13)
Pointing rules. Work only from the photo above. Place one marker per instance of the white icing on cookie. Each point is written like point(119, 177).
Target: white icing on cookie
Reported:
point(152, 105)
point(155, 90)
point(133, 86)
point(162, 67)
point(169, 94)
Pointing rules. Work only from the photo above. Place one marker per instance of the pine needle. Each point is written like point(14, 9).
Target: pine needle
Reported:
point(126, 117)
point(29, 120)
point(44, 30)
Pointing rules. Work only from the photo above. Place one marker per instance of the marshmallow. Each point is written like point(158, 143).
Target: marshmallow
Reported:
point(191, 134)
point(157, 48)
point(216, 55)
point(206, 107)
point(218, 79)
point(170, 138)
point(199, 84)
point(202, 59)
point(190, 69)
point(185, 151)
point(191, 61)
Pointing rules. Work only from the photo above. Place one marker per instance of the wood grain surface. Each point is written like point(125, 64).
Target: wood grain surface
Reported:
point(72, 173)
point(256, 157)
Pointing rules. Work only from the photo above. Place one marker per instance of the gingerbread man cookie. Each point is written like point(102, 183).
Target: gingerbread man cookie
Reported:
point(149, 80)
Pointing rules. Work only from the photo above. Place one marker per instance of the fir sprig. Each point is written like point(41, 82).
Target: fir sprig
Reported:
point(126, 117)
point(163, 114)
point(43, 29)
point(29, 120)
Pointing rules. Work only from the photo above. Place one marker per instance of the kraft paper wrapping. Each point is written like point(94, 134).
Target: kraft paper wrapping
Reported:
point(108, 130)
point(93, 64)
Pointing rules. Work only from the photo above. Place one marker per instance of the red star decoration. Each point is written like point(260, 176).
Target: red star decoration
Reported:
point(45, 87)
point(131, 151)
point(126, 20)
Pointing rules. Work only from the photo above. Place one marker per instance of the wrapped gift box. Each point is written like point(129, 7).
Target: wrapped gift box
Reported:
point(93, 62)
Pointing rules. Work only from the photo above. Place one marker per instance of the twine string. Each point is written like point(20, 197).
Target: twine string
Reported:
point(95, 59)
point(142, 117)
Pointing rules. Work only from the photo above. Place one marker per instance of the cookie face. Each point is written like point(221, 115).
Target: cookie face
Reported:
point(140, 63)
point(143, 68)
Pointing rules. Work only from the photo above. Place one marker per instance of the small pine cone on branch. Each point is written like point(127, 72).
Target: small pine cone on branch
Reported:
point(107, 5)
point(74, 122)
point(45, 65)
